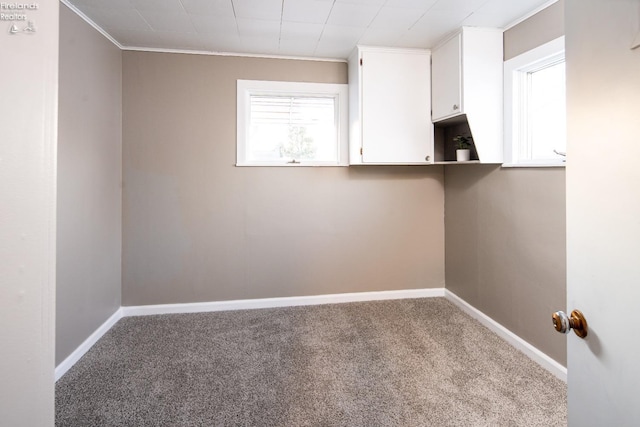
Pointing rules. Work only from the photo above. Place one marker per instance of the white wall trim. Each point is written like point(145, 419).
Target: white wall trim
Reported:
point(200, 307)
point(532, 352)
point(530, 14)
point(247, 304)
point(71, 360)
point(535, 165)
point(242, 55)
point(90, 22)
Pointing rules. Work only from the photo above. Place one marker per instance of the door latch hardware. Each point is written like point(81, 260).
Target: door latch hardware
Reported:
point(563, 323)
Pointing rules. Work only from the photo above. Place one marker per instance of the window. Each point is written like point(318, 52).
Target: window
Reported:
point(535, 107)
point(292, 124)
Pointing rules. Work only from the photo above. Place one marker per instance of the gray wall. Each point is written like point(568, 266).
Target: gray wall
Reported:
point(505, 228)
point(197, 228)
point(89, 183)
point(544, 26)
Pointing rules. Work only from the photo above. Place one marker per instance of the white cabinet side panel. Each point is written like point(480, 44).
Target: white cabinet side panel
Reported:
point(482, 55)
point(447, 88)
point(355, 124)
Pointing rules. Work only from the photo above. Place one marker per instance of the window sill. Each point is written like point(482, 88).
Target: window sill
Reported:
point(457, 162)
point(535, 165)
point(288, 165)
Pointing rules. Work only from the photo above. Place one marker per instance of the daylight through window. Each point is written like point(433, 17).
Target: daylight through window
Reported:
point(535, 107)
point(292, 128)
point(546, 113)
point(286, 124)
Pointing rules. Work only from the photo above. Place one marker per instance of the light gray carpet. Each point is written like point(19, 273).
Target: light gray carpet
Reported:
point(419, 362)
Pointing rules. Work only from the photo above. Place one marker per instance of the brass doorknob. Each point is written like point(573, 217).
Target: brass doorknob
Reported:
point(576, 321)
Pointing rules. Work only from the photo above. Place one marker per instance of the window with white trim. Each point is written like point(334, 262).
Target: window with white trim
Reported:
point(292, 124)
point(535, 107)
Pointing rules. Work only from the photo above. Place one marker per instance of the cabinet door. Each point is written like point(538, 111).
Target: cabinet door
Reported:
point(447, 79)
point(395, 108)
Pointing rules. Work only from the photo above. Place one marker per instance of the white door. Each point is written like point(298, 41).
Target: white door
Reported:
point(28, 144)
point(603, 210)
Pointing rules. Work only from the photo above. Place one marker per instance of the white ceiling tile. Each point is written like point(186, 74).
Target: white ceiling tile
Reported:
point(207, 24)
point(341, 34)
point(394, 18)
point(366, 2)
point(436, 21)
point(428, 34)
point(127, 19)
point(458, 5)
point(223, 43)
point(258, 28)
point(175, 22)
point(117, 18)
point(312, 11)
point(333, 50)
point(294, 27)
point(353, 15)
point(160, 39)
point(258, 9)
point(101, 4)
point(182, 40)
point(432, 28)
point(418, 39)
point(381, 37)
point(157, 6)
point(222, 8)
point(336, 40)
point(297, 47)
point(294, 30)
point(133, 38)
point(424, 5)
point(500, 13)
point(256, 44)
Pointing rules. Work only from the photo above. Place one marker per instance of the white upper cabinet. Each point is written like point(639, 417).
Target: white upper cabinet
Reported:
point(389, 106)
point(467, 87)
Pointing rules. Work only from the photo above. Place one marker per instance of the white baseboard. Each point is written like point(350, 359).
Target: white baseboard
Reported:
point(71, 360)
point(200, 307)
point(144, 310)
point(532, 352)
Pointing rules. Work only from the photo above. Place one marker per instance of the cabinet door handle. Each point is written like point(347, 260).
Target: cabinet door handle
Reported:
point(455, 107)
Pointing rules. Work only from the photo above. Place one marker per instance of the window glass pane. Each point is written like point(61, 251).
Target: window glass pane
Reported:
point(547, 112)
point(292, 128)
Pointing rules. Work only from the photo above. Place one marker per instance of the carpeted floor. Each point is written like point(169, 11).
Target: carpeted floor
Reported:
point(417, 362)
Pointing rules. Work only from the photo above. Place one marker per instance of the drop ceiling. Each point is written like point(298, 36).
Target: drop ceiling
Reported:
point(298, 28)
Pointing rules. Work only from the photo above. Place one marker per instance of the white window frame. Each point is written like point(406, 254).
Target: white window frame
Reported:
point(247, 88)
point(515, 101)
